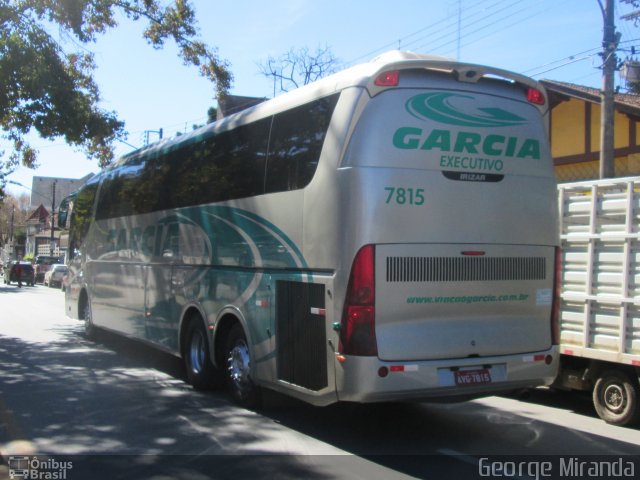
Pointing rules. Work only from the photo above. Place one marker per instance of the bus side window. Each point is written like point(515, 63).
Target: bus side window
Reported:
point(81, 217)
point(295, 145)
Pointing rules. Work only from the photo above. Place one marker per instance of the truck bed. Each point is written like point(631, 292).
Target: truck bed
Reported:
point(600, 309)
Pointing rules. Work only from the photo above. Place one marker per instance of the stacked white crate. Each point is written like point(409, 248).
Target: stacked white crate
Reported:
point(600, 309)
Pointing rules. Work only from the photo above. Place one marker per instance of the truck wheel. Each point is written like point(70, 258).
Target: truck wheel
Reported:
point(197, 359)
point(615, 398)
point(89, 327)
point(241, 386)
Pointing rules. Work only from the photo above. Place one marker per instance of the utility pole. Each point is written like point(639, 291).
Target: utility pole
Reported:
point(53, 209)
point(13, 213)
point(609, 45)
point(147, 132)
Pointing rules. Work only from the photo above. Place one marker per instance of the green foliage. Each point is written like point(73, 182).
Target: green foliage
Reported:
point(46, 89)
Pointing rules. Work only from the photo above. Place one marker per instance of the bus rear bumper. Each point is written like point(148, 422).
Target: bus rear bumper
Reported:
point(368, 379)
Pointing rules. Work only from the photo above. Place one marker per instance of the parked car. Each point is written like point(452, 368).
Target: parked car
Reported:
point(53, 278)
point(27, 275)
point(43, 265)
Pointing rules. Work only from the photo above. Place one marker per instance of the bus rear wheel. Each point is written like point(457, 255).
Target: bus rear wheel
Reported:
point(89, 327)
point(238, 370)
point(615, 398)
point(197, 358)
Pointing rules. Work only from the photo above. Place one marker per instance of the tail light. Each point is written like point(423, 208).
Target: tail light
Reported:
point(535, 96)
point(555, 305)
point(357, 330)
point(389, 78)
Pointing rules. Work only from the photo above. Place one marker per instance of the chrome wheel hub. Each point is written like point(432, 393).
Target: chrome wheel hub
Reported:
point(239, 363)
point(614, 398)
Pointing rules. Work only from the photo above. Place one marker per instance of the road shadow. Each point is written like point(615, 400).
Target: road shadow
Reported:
point(118, 408)
point(13, 288)
point(137, 354)
point(127, 399)
point(571, 401)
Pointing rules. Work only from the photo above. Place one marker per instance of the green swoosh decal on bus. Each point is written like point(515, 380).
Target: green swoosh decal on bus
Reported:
point(248, 237)
point(438, 106)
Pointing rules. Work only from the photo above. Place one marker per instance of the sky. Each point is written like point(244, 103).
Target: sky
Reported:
point(151, 89)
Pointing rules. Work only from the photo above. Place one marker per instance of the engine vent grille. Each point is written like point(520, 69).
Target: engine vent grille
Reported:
point(464, 269)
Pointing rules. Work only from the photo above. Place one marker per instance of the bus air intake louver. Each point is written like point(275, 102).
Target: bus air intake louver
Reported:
point(463, 269)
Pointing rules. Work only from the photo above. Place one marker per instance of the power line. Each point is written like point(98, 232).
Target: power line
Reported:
point(452, 22)
point(490, 23)
point(575, 60)
point(570, 59)
point(448, 26)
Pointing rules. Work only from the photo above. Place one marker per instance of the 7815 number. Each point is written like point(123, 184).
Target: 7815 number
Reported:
point(405, 196)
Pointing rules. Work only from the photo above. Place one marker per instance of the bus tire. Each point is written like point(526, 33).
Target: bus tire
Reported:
point(197, 357)
point(89, 327)
point(238, 370)
point(615, 397)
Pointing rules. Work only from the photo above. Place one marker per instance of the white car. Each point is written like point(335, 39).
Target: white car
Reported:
point(54, 276)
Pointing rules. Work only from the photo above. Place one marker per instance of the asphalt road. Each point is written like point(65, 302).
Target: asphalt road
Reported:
point(118, 409)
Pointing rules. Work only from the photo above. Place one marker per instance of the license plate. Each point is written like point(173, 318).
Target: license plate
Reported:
point(472, 377)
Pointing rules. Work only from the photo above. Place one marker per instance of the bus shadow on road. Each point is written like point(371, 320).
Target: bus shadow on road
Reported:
point(137, 353)
point(571, 401)
point(120, 396)
point(12, 289)
point(119, 409)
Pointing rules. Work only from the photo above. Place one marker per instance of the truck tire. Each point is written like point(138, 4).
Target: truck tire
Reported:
point(201, 374)
point(238, 370)
point(615, 397)
point(89, 327)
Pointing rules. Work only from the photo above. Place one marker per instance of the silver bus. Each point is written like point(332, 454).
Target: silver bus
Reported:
point(386, 233)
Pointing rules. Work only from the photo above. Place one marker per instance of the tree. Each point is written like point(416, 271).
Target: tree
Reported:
point(13, 216)
point(47, 89)
point(299, 67)
point(630, 16)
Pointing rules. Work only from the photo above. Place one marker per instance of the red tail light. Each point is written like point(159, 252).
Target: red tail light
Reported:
point(357, 331)
point(388, 79)
point(535, 96)
point(555, 306)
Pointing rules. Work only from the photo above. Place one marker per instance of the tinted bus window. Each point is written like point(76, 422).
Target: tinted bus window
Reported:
point(121, 193)
point(296, 141)
point(81, 216)
point(227, 166)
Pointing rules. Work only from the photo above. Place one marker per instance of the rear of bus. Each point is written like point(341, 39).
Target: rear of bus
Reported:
point(448, 192)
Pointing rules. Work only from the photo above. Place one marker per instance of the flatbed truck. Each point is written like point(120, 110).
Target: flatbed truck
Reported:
point(600, 295)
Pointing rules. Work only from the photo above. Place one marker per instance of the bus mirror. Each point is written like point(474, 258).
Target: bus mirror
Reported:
point(62, 220)
point(64, 211)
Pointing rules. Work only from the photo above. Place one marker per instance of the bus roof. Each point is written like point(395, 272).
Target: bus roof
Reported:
point(362, 75)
